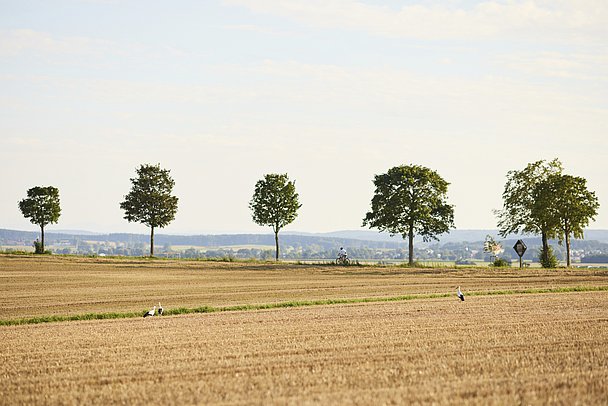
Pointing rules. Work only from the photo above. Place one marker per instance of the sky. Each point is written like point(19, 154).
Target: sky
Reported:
point(331, 92)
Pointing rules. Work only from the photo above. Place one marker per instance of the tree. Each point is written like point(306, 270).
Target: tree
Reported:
point(571, 206)
point(491, 246)
point(42, 207)
point(524, 209)
point(411, 200)
point(150, 201)
point(275, 203)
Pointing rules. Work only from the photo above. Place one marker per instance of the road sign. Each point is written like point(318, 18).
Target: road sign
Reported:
point(520, 248)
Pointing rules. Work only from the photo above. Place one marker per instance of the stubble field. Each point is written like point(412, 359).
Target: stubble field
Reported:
point(491, 349)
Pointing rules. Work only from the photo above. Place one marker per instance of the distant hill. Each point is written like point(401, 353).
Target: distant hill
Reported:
point(452, 236)
point(15, 237)
point(460, 244)
point(350, 238)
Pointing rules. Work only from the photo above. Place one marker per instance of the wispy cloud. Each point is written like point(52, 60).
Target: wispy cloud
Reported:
point(579, 66)
point(257, 29)
point(559, 20)
point(26, 41)
point(14, 42)
point(345, 97)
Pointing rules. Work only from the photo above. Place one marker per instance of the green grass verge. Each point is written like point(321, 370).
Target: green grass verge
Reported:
point(303, 303)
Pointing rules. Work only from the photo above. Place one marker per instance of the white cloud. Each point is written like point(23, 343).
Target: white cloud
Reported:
point(17, 42)
point(379, 113)
point(257, 29)
point(561, 20)
point(14, 42)
point(580, 66)
point(343, 97)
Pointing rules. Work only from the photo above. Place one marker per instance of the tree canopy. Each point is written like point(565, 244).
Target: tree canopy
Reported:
point(275, 203)
point(150, 201)
point(42, 207)
point(525, 209)
point(411, 200)
point(567, 204)
point(540, 199)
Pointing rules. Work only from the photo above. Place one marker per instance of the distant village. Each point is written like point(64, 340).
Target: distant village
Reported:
point(293, 247)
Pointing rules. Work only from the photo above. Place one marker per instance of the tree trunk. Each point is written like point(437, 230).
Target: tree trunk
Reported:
point(567, 235)
point(42, 237)
point(568, 250)
point(545, 242)
point(410, 238)
point(151, 241)
point(545, 253)
point(276, 243)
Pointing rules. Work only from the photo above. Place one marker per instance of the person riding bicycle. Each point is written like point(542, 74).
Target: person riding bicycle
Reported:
point(342, 253)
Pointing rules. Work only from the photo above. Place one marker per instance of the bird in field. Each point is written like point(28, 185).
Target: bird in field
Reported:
point(150, 312)
point(460, 295)
point(160, 309)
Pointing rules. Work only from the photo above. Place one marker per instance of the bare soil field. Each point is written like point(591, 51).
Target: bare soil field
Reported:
point(41, 286)
point(513, 349)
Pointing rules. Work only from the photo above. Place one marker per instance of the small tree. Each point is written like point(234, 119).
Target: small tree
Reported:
point(493, 247)
point(572, 206)
point(150, 201)
point(411, 200)
point(524, 209)
point(42, 207)
point(275, 203)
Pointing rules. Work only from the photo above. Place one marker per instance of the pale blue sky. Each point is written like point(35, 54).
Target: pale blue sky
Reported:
point(331, 92)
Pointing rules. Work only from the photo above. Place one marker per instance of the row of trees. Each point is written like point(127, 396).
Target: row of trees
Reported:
point(409, 200)
point(541, 200)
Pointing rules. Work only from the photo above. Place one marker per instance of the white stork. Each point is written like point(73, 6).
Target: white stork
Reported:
point(150, 312)
point(160, 309)
point(460, 295)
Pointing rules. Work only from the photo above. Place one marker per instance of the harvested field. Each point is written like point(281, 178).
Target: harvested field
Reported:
point(514, 349)
point(41, 286)
point(549, 348)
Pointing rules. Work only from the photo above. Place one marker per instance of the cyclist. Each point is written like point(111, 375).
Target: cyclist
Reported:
point(342, 254)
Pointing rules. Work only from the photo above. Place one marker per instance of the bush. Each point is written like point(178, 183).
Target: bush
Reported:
point(501, 262)
point(38, 247)
point(547, 259)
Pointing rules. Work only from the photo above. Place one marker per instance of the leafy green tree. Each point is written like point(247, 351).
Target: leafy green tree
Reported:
point(275, 203)
point(411, 200)
point(524, 209)
point(571, 206)
point(42, 207)
point(150, 201)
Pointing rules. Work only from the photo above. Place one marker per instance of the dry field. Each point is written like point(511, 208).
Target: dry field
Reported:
point(39, 286)
point(508, 349)
point(517, 349)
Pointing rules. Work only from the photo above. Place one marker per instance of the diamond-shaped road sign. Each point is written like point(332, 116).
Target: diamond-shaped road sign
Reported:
point(520, 248)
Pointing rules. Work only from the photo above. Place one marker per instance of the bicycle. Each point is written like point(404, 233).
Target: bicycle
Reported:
point(342, 260)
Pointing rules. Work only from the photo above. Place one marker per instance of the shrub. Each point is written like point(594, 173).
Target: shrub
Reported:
point(547, 259)
point(38, 247)
point(501, 262)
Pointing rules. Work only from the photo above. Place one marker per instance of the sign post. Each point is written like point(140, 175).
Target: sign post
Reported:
point(520, 248)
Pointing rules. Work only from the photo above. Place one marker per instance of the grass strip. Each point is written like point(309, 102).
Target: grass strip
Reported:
point(303, 303)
